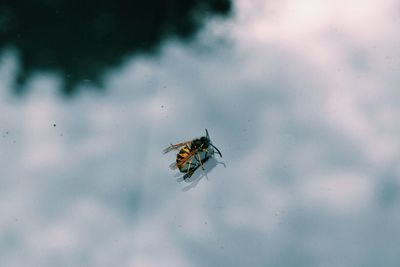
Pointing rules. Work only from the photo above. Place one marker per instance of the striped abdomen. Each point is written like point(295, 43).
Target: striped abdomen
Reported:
point(182, 157)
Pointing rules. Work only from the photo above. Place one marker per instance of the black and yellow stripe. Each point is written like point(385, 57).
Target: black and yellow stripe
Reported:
point(182, 157)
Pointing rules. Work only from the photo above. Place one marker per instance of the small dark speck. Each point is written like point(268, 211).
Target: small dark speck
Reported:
point(54, 125)
point(7, 132)
point(61, 135)
point(162, 106)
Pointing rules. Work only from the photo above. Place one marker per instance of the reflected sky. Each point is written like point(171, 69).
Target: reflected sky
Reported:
point(300, 97)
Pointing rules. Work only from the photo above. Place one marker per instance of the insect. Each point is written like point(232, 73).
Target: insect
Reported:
point(192, 154)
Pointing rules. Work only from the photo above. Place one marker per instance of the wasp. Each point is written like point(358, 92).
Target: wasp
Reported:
point(192, 154)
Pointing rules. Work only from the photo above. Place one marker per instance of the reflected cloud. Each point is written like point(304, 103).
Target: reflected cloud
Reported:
point(302, 105)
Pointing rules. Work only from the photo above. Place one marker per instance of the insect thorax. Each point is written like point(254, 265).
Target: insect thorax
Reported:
point(202, 142)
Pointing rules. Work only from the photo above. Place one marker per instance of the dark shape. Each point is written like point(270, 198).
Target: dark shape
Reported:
point(81, 39)
point(192, 154)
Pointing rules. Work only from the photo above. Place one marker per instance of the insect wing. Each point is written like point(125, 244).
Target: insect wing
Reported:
point(173, 166)
point(176, 146)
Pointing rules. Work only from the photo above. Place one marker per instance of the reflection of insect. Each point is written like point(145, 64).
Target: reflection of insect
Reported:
point(192, 155)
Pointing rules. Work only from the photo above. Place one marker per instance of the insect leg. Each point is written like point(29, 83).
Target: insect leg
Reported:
point(202, 167)
point(189, 174)
point(190, 165)
point(198, 157)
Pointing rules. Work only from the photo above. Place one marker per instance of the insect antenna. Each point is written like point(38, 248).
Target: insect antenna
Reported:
point(217, 150)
